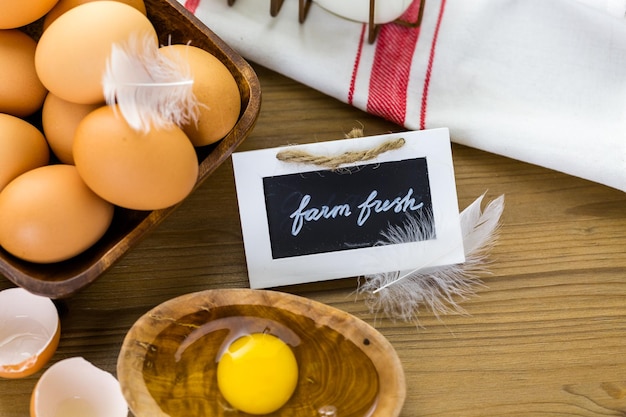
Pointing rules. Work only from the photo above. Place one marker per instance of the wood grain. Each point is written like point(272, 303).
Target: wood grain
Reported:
point(546, 336)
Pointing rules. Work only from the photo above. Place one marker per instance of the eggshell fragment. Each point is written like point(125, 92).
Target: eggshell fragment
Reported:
point(17, 13)
point(22, 148)
point(29, 334)
point(76, 387)
point(72, 52)
point(63, 6)
point(21, 91)
point(131, 169)
point(59, 119)
point(215, 88)
point(49, 215)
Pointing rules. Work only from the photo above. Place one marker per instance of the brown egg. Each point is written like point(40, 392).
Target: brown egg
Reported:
point(64, 5)
point(60, 119)
point(72, 52)
point(48, 215)
point(216, 90)
point(132, 169)
point(21, 92)
point(17, 13)
point(22, 148)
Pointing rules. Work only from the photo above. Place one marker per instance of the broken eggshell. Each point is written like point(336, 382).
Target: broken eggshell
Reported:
point(29, 332)
point(76, 387)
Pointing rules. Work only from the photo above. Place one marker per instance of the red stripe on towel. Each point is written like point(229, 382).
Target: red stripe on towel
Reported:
point(395, 45)
point(431, 59)
point(192, 5)
point(357, 62)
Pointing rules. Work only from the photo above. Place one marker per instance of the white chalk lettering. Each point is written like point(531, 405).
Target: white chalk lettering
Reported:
point(314, 214)
point(398, 204)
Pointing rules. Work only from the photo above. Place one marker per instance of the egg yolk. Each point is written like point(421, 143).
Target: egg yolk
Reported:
point(257, 374)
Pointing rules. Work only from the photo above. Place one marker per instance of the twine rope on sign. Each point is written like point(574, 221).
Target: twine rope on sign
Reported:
point(334, 162)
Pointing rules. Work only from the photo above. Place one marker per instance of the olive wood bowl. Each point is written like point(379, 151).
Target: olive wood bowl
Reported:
point(60, 280)
point(168, 360)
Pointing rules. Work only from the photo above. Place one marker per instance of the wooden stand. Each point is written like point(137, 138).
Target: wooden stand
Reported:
point(303, 9)
point(275, 6)
point(373, 28)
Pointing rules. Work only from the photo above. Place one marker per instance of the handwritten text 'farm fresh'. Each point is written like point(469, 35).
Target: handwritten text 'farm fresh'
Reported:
point(304, 213)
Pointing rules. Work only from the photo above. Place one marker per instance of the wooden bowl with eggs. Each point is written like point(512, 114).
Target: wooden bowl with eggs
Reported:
point(174, 24)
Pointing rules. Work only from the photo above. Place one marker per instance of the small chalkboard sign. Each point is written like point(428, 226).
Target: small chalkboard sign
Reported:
point(303, 222)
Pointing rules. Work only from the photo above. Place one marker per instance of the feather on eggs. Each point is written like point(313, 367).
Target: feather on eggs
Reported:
point(150, 89)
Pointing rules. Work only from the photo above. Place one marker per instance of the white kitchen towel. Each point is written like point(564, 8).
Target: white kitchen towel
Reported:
point(541, 81)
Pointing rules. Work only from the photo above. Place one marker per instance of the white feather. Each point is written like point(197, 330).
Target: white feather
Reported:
point(399, 295)
point(150, 89)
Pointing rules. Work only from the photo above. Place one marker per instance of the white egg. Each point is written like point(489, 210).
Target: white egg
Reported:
point(385, 11)
point(76, 387)
point(29, 334)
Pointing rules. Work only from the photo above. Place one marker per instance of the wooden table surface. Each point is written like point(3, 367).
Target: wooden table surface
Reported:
point(545, 336)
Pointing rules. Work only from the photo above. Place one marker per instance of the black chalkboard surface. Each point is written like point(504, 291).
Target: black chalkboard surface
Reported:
point(326, 211)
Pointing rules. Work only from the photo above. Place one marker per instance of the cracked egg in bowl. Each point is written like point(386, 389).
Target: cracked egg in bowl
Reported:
point(242, 352)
